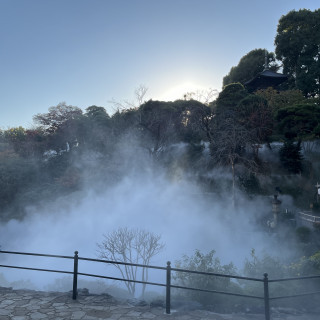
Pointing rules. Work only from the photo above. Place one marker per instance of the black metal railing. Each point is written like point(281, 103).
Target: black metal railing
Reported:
point(265, 297)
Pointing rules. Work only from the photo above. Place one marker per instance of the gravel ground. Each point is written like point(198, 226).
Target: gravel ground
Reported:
point(33, 305)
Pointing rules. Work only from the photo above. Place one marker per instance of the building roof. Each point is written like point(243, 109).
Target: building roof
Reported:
point(265, 79)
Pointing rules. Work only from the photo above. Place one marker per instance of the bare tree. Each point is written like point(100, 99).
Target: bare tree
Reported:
point(200, 118)
point(134, 246)
point(139, 94)
point(255, 114)
point(204, 96)
point(228, 146)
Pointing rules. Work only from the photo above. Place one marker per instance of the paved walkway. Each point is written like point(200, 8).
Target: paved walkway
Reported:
point(34, 305)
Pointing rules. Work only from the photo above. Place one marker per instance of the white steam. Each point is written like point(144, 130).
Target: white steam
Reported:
point(186, 219)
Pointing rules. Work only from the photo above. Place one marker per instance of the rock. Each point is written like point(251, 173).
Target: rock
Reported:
point(83, 291)
point(157, 303)
point(136, 302)
point(286, 310)
point(108, 296)
point(184, 305)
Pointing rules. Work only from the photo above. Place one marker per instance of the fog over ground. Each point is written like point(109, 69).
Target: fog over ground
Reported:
point(186, 218)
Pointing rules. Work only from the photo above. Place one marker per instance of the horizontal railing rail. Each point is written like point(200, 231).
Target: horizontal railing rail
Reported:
point(295, 295)
point(309, 217)
point(168, 284)
point(121, 279)
point(35, 269)
point(295, 278)
point(217, 274)
point(215, 291)
point(122, 263)
point(38, 254)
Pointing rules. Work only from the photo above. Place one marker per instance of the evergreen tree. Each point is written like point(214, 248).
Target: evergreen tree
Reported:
point(291, 157)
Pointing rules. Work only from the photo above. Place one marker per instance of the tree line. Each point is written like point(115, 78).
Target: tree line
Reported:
point(296, 54)
point(233, 128)
point(227, 132)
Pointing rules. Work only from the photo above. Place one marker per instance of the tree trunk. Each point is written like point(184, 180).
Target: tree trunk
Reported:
point(233, 185)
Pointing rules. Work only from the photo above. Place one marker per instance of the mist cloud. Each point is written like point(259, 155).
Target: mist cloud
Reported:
point(143, 197)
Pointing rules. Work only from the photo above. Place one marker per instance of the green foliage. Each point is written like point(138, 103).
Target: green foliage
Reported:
point(303, 234)
point(281, 99)
point(276, 269)
point(159, 121)
point(165, 123)
point(17, 175)
point(250, 184)
point(316, 207)
point(94, 130)
point(228, 131)
point(230, 97)
point(315, 261)
point(57, 116)
point(124, 121)
point(235, 125)
point(25, 142)
point(194, 121)
point(302, 121)
point(306, 266)
point(256, 115)
point(256, 267)
point(98, 114)
point(61, 125)
point(291, 157)
point(15, 134)
point(297, 47)
point(205, 263)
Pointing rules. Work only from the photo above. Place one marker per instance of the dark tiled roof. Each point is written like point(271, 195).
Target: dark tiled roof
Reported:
point(265, 79)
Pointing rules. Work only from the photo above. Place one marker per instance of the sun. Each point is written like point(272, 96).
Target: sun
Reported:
point(179, 91)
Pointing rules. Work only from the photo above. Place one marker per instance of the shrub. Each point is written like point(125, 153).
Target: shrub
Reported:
point(206, 263)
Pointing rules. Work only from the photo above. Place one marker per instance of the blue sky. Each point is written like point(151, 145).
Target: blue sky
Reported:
point(90, 52)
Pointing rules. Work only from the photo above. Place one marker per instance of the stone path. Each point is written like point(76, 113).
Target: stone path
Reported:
point(34, 305)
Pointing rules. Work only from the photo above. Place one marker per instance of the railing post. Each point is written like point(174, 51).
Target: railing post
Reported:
point(168, 288)
point(75, 275)
point(266, 296)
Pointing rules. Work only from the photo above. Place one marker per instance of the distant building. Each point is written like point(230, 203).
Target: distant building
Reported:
point(265, 79)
